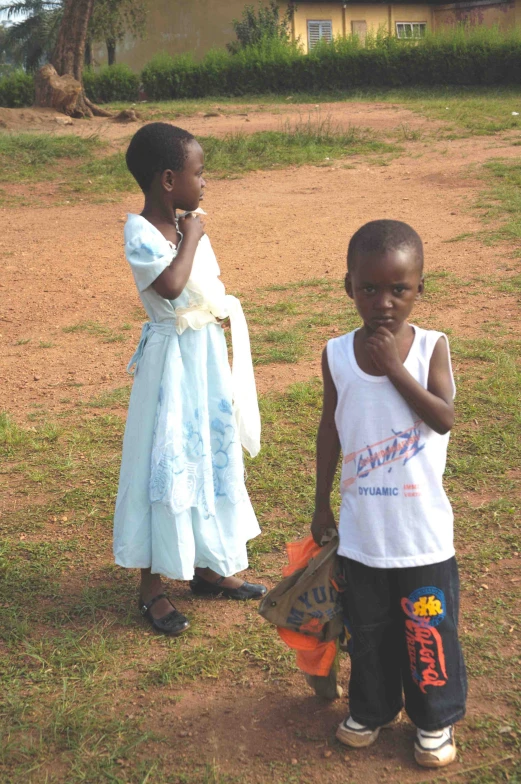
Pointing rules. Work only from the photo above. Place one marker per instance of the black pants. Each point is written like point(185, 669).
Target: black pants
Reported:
point(404, 640)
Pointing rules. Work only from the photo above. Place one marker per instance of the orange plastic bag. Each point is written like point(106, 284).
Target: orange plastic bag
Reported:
point(299, 554)
point(313, 657)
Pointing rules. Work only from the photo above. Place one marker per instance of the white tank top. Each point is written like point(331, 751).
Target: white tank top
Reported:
point(394, 510)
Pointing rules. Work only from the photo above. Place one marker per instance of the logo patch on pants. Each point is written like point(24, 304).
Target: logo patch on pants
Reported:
point(425, 609)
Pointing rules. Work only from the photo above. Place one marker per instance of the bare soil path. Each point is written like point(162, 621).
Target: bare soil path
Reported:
point(229, 118)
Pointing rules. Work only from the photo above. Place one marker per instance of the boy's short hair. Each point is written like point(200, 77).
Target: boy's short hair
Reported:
point(381, 236)
point(154, 148)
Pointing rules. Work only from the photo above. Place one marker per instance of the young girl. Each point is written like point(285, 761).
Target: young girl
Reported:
point(182, 505)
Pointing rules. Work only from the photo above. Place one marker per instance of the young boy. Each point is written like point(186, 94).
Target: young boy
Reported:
point(388, 404)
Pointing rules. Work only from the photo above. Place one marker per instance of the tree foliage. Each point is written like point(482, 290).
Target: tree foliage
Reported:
point(267, 22)
point(31, 40)
point(112, 19)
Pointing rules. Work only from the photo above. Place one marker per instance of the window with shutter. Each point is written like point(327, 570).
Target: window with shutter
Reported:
point(319, 30)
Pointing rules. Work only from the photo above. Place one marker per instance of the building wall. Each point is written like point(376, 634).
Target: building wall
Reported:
point(313, 11)
point(504, 13)
point(476, 12)
point(376, 15)
point(410, 13)
point(176, 26)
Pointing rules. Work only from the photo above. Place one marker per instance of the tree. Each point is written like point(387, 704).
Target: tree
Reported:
point(266, 22)
point(69, 52)
point(59, 84)
point(112, 19)
point(8, 58)
point(59, 30)
point(32, 39)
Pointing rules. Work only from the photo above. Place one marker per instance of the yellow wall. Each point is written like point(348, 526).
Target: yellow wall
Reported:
point(381, 16)
point(376, 15)
point(489, 14)
point(312, 11)
point(411, 13)
point(179, 26)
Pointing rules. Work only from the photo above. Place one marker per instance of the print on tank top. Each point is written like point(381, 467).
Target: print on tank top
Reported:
point(400, 446)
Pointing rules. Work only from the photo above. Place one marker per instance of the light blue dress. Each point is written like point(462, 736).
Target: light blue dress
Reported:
point(182, 501)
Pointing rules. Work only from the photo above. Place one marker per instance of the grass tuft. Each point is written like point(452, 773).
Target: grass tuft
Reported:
point(28, 157)
point(502, 200)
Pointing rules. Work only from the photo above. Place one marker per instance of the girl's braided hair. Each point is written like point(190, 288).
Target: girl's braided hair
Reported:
point(154, 148)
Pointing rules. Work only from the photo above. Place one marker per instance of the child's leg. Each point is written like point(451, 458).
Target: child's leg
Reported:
point(375, 686)
point(157, 608)
point(433, 669)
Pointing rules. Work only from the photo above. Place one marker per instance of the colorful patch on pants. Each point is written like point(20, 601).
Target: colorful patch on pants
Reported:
point(425, 609)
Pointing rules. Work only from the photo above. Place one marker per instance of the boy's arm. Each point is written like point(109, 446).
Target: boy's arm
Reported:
point(328, 450)
point(435, 405)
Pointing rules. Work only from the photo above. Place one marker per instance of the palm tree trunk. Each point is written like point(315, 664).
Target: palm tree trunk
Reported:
point(60, 84)
point(69, 53)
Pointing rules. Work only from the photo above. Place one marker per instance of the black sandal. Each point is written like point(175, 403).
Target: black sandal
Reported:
point(173, 623)
point(202, 587)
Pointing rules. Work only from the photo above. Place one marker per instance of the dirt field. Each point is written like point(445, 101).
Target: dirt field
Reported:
point(63, 266)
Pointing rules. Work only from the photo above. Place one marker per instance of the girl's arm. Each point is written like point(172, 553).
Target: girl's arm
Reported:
point(171, 282)
point(434, 405)
point(328, 451)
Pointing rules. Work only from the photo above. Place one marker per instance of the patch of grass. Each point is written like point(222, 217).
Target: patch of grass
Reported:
point(12, 436)
point(410, 134)
point(106, 334)
point(511, 285)
point(466, 235)
point(307, 313)
point(314, 141)
point(27, 157)
point(502, 199)
point(31, 157)
point(472, 111)
point(213, 657)
point(116, 397)
point(278, 346)
point(305, 142)
point(103, 175)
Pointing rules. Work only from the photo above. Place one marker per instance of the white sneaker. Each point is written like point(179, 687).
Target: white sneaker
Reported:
point(351, 733)
point(435, 749)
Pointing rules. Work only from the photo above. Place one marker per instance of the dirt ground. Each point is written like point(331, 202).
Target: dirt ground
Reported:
point(64, 265)
point(229, 118)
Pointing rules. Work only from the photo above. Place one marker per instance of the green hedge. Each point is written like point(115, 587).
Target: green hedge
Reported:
point(111, 83)
point(480, 56)
point(16, 90)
